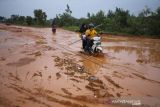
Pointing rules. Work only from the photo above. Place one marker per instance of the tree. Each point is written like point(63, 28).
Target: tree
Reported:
point(66, 19)
point(29, 20)
point(40, 17)
point(118, 20)
point(145, 12)
point(110, 14)
point(21, 20)
point(14, 19)
point(121, 17)
point(98, 19)
point(88, 15)
point(68, 10)
point(2, 19)
point(158, 12)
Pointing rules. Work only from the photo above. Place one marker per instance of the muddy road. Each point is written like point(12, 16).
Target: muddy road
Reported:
point(41, 69)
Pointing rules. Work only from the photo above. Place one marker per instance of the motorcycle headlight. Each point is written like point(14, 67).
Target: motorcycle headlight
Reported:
point(98, 43)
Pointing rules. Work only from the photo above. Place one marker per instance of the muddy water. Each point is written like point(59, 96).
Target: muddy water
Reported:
point(141, 54)
point(39, 68)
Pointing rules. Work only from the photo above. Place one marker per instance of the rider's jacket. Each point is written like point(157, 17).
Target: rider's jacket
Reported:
point(90, 33)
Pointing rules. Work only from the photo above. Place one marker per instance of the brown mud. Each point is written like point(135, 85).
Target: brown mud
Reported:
point(42, 69)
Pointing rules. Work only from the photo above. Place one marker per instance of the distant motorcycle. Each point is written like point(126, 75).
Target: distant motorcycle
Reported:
point(54, 29)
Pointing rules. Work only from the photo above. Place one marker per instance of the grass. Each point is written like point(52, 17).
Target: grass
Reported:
point(132, 35)
point(32, 25)
point(76, 29)
point(71, 28)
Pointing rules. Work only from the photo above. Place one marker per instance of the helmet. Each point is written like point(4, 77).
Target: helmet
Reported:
point(91, 25)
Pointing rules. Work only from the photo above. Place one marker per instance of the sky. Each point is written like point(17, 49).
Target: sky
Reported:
point(79, 8)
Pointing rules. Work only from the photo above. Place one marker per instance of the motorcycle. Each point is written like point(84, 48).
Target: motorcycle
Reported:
point(95, 45)
point(54, 29)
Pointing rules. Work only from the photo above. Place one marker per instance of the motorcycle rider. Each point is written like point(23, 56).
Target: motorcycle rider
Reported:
point(90, 33)
point(82, 31)
point(54, 25)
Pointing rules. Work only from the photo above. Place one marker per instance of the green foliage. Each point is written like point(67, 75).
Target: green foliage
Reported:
point(66, 19)
point(21, 20)
point(121, 21)
point(68, 10)
point(2, 19)
point(29, 20)
point(40, 17)
point(118, 21)
point(71, 28)
point(98, 19)
point(16, 19)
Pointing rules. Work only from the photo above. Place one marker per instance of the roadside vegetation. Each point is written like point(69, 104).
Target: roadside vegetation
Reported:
point(115, 22)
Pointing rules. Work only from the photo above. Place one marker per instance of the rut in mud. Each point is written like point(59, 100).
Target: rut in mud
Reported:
point(38, 68)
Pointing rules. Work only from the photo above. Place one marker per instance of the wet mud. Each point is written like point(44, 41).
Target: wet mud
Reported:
point(21, 62)
point(42, 69)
